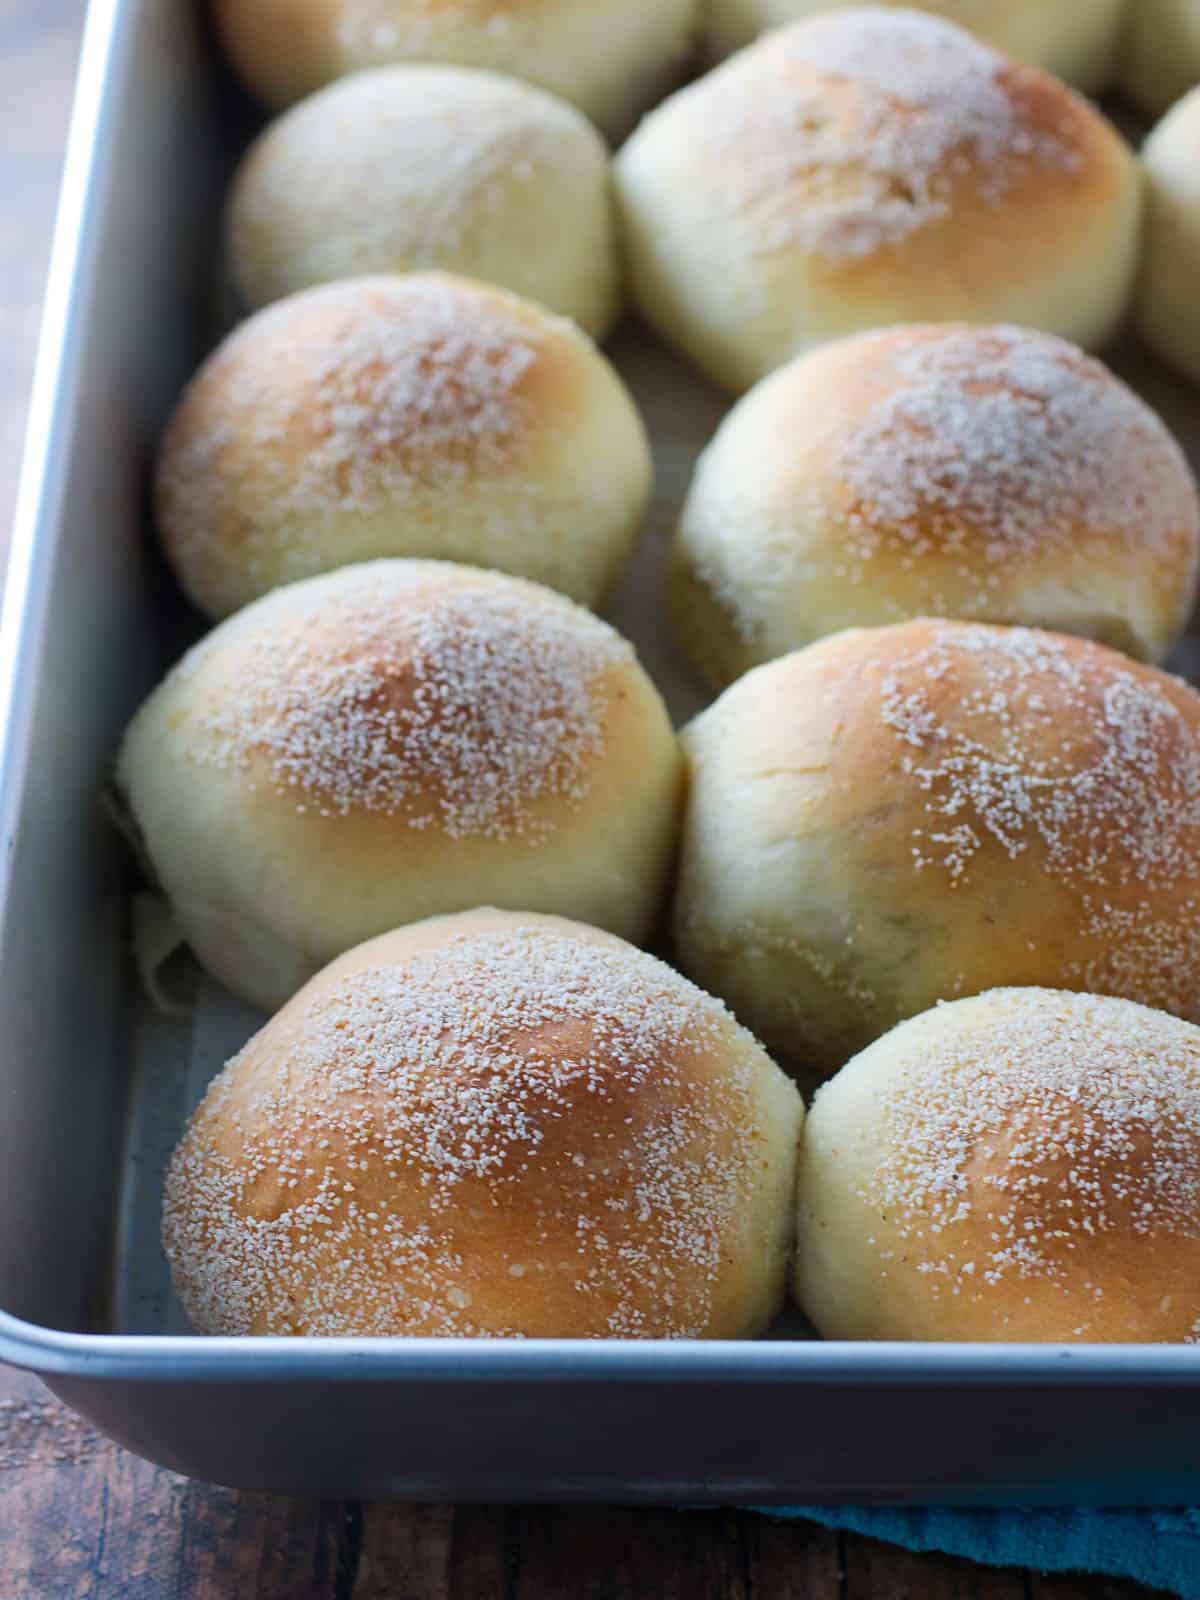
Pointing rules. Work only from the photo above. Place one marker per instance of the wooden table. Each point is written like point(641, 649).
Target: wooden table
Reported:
point(80, 1517)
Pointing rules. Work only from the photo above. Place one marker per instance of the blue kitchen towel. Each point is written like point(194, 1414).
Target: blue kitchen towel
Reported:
point(1158, 1548)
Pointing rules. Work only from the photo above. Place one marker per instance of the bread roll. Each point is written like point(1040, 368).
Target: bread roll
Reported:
point(1023, 1166)
point(1168, 304)
point(945, 470)
point(417, 416)
point(902, 815)
point(391, 742)
point(865, 168)
point(1160, 55)
point(611, 58)
point(411, 167)
point(490, 1124)
point(1074, 39)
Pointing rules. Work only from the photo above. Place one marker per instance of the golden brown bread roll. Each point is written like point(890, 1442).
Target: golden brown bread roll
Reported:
point(1023, 1166)
point(611, 58)
point(407, 168)
point(1168, 304)
point(897, 816)
point(391, 742)
point(490, 1124)
point(423, 415)
point(870, 167)
point(952, 470)
point(1074, 39)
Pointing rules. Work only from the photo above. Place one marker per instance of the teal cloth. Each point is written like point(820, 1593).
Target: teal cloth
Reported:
point(1158, 1548)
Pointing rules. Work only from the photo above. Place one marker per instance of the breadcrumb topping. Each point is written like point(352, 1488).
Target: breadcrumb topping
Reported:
point(460, 701)
point(880, 116)
point(1013, 1148)
point(340, 1176)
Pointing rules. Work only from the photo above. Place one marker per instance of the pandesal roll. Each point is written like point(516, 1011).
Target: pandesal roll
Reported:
point(391, 742)
point(897, 816)
point(1023, 1166)
point(425, 415)
point(426, 167)
point(1168, 307)
point(610, 58)
point(869, 167)
point(957, 470)
point(490, 1125)
point(1075, 39)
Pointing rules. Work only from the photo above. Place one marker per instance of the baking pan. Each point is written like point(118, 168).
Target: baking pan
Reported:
point(94, 1084)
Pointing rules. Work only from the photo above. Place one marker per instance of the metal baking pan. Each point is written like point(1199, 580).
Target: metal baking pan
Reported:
point(94, 1085)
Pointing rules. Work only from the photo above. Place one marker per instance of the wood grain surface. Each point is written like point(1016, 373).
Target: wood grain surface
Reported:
point(81, 1518)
